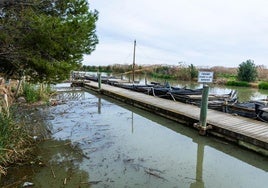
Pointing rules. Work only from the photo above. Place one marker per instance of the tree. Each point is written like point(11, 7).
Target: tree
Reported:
point(45, 39)
point(247, 71)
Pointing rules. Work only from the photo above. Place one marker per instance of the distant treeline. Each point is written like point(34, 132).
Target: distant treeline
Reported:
point(180, 72)
point(158, 71)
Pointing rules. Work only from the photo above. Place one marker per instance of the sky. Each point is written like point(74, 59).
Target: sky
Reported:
point(204, 33)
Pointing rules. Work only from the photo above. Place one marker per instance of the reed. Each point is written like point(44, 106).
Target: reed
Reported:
point(14, 141)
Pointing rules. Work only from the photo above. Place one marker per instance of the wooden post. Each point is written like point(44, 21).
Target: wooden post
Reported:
point(99, 80)
point(203, 111)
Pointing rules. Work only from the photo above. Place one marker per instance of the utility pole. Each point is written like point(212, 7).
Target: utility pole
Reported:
point(133, 65)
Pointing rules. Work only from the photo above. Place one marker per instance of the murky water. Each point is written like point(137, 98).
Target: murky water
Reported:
point(98, 142)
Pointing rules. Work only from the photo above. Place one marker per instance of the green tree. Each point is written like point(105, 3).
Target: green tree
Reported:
point(45, 39)
point(247, 71)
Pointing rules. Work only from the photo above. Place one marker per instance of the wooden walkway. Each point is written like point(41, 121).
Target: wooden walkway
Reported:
point(247, 132)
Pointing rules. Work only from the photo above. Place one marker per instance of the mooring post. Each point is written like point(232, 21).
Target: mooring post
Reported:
point(203, 112)
point(99, 80)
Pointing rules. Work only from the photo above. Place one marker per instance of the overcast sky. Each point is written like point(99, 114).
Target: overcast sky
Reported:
point(199, 32)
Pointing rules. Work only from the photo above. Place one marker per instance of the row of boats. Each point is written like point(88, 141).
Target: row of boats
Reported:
point(228, 103)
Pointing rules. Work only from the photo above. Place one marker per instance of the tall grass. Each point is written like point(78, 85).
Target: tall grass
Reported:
point(14, 141)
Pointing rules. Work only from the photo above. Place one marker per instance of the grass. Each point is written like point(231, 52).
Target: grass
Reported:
point(34, 93)
point(227, 76)
point(263, 85)
point(31, 93)
point(237, 83)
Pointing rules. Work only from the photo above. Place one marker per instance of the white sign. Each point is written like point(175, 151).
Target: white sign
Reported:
point(205, 77)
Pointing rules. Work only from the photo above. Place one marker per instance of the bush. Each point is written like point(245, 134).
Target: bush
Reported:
point(238, 83)
point(247, 71)
point(263, 85)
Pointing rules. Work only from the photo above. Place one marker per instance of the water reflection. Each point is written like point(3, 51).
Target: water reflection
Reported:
point(71, 94)
point(199, 168)
point(99, 105)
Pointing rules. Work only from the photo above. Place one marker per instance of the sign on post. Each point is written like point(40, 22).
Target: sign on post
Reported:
point(205, 77)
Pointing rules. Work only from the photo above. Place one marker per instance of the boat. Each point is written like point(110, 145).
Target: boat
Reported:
point(245, 109)
point(255, 109)
point(263, 114)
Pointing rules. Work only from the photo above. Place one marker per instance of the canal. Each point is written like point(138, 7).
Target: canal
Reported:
point(99, 142)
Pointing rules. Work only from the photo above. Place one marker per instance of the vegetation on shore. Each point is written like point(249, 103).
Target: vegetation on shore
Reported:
point(16, 139)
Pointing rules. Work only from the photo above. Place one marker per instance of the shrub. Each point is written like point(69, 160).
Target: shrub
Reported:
point(247, 71)
point(238, 83)
point(263, 85)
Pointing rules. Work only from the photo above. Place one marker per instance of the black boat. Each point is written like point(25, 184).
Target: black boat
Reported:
point(245, 109)
point(263, 114)
point(256, 109)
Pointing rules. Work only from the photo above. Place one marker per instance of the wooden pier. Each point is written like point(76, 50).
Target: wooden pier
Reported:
point(246, 132)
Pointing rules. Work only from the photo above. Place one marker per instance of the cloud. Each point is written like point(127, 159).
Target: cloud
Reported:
point(203, 33)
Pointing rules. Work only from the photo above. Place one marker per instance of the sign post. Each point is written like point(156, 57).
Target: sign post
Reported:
point(204, 77)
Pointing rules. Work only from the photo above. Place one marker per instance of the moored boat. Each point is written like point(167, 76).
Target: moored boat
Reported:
point(256, 109)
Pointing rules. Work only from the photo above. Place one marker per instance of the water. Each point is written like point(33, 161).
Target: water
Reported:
point(99, 142)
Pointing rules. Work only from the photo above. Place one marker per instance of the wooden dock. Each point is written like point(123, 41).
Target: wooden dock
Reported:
point(246, 132)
